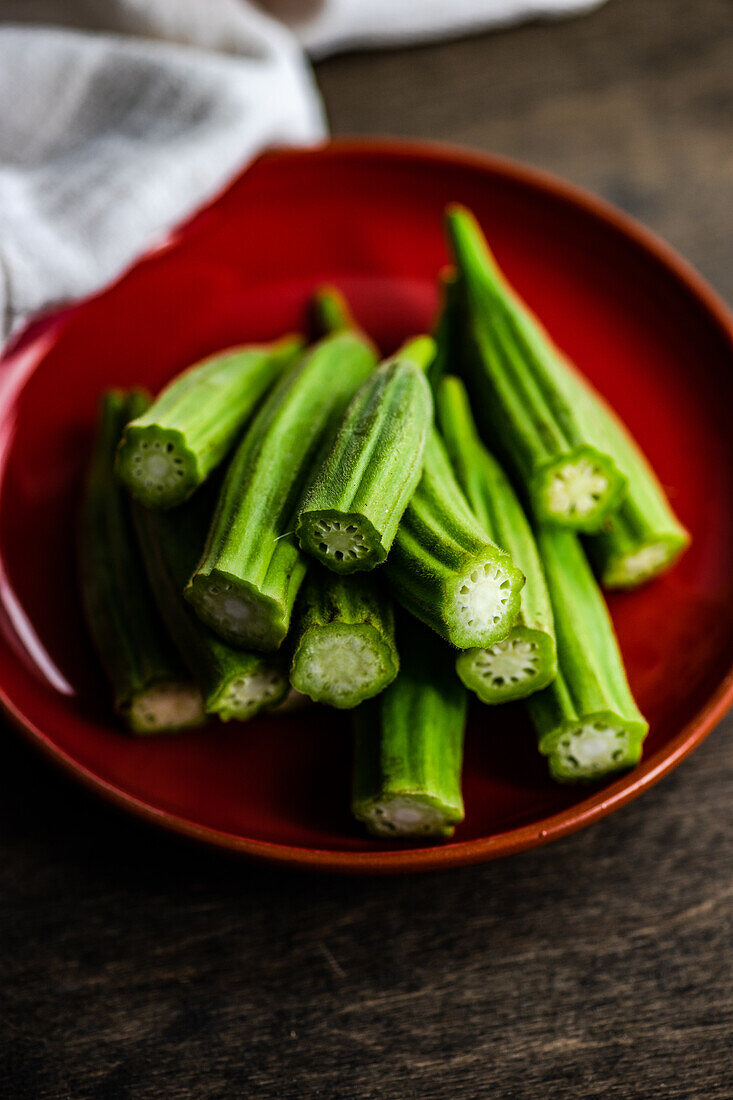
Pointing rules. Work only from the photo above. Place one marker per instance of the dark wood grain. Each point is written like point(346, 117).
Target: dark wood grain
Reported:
point(137, 967)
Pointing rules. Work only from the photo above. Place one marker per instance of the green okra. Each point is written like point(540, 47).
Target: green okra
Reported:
point(586, 720)
point(446, 331)
point(408, 745)
point(444, 568)
point(354, 500)
point(525, 660)
point(245, 584)
point(234, 683)
point(644, 537)
point(343, 632)
point(523, 396)
point(168, 450)
point(152, 691)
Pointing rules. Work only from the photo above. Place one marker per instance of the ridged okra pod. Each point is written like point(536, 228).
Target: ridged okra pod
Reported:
point(586, 720)
point(644, 537)
point(408, 745)
point(444, 568)
point(522, 396)
point(251, 569)
point(168, 450)
point(355, 499)
point(446, 330)
point(525, 661)
point(234, 683)
point(152, 690)
point(343, 637)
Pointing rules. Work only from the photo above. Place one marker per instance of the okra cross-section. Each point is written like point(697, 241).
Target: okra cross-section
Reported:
point(524, 661)
point(344, 647)
point(586, 720)
point(355, 499)
point(251, 569)
point(408, 745)
point(152, 690)
point(445, 569)
point(168, 450)
point(234, 683)
point(521, 393)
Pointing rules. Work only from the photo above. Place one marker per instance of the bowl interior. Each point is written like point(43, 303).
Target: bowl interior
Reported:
point(369, 220)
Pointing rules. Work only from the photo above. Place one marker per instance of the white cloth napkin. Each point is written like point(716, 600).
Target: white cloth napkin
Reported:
point(119, 117)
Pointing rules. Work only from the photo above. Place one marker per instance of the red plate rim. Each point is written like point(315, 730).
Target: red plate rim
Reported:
point(483, 849)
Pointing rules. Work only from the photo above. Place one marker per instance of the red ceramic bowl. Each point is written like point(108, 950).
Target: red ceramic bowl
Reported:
point(646, 329)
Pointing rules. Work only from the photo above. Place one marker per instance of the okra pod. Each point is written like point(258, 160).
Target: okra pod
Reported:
point(644, 537)
point(168, 450)
point(234, 683)
point(521, 393)
point(444, 568)
point(525, 661)
point(344, 647)
point(408, 745)
point(446, 331)
point(586, 720)
point(152, 691)
point(251, 569)
point(354, 501)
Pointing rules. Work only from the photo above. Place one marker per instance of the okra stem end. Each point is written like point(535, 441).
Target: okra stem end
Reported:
point(342, 665)
point(644, 562)
point(484, 602)
point(237, 611)
point(412, 816)
point(245, 695)
point(578, 490)
point(593, 748)
point(165, 707)
point(344, 542)
point(524, 662)
point(156, 465)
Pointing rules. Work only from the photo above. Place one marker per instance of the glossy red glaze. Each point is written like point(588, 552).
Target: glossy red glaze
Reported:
point(636, 318)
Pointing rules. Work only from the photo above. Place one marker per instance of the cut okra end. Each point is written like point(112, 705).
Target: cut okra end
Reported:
point(156, 466)
point(579, 490)
point(165, 708)
point(237, 611)
point(643, 563)
point(410, 816)
point(593, 748)
point(247, 694)
point(345, 542)
point(522, 663)
point(484, 602)
point(342, 665)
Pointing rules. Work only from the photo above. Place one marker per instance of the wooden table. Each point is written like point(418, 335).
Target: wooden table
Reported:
point(137, 967)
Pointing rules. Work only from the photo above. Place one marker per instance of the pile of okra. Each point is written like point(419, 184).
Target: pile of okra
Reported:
point(287, 523)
